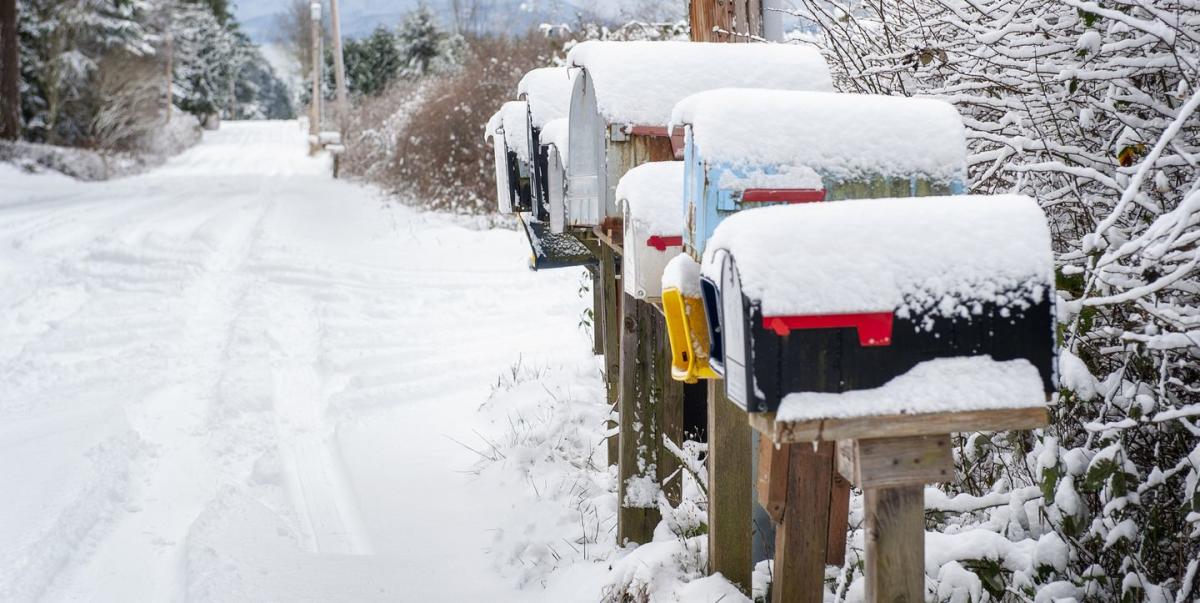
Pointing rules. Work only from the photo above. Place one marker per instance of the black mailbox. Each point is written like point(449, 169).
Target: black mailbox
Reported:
point(830, 298)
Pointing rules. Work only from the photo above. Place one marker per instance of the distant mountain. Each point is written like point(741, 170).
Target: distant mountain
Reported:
point(259, 18)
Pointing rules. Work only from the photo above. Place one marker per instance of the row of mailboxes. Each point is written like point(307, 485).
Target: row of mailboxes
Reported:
point(623, 95)
point(747, 149)
point(847, 296)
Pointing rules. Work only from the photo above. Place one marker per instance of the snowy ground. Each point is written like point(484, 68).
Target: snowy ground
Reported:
point(234, 378)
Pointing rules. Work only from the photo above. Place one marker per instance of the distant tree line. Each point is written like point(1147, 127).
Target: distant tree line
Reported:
point(104, 73)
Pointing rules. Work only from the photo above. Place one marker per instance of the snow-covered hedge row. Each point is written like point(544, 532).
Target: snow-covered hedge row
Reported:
point(1092, 107)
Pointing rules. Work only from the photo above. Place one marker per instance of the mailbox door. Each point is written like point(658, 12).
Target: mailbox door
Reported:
point(711, 294)
point(738, 378)
point(587, 184)
point(556, 207)
point(540, 180)
point(503, 188)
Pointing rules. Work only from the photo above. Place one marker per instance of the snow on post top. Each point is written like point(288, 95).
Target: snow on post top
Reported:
point(653, 192)
point(514, 119)
point(913, 256)
point(555, 132)
point(935, 386)
point(548, 91)
point(682, 273)
point(637, 83)
point(846, 136)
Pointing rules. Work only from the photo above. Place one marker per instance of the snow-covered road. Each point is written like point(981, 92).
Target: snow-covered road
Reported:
point(236, 378)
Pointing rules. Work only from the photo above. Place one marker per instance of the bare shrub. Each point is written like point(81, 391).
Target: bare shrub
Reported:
point(430, 149)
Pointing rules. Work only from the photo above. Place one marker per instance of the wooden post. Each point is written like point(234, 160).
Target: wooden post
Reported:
point(730, 488)
point(314, 116)
point(339, 70)
point(651, 405)
point(726, 20)
point(802, 540)
point(895, 543)
point(608, 318)
point(169, 100)
point(10, 72)
point(892, 473)
point(670, 410)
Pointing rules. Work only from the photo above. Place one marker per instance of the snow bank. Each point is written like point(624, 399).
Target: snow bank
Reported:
point(847, 136)
point(652, 194)
point(548, 91)
point(943, 254)
point(942, 385)
point(639, 82)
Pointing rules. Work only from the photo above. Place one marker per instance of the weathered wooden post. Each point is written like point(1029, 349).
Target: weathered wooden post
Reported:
point(339, 70)
point(314, 114)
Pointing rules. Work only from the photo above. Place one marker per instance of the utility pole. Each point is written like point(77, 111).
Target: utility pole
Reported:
point(314, 118)
point(168, 107)
point(10, 72)
point(339, 67)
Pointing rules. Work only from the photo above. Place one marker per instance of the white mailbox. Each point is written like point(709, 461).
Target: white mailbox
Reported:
point(623, 94)
point(649, 196)
point(547, 92)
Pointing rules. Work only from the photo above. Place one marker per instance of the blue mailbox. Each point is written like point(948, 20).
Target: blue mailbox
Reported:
point(753, 148)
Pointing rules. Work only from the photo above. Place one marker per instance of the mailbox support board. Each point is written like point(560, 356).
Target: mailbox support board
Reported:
point(891, 458)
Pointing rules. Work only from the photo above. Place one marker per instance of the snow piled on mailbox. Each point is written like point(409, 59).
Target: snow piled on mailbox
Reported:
point(514, 118)
point(556, 132)
point(548, 91)
point(846, 136)
point(682, 273)
point(935, 386)
point(926, 255)
point(639, 82)
point(653, 193)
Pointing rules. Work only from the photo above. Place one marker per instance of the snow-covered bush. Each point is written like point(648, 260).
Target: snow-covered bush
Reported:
point(1092, 108)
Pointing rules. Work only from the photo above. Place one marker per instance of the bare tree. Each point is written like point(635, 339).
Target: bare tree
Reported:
point(10, 99)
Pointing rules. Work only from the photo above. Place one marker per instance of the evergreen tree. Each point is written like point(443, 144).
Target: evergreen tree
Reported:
point(425, 47)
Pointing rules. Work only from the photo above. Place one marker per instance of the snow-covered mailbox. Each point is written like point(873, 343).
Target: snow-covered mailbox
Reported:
point(826, 298)
point(753, 148)
point(508, 130)
point(746, 149)
point(622, 100)
point(548, 93)
point(876, 329)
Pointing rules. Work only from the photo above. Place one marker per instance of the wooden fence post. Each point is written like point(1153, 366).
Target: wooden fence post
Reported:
point(608, 319)
point(730, 489)
point(651, 405)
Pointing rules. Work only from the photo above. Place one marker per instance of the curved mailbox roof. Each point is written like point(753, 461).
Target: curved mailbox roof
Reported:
point(912, 256)
point(548, 91)
point(556, 132)
point(652, 192)
point(513, 119)
point(844, 136)
point(639, 82)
